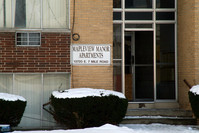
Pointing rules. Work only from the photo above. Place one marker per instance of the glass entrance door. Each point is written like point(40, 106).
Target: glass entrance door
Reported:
point(145, 49)
point(139, 70)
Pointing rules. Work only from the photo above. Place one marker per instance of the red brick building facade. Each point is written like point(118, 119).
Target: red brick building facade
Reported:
point(52, 56)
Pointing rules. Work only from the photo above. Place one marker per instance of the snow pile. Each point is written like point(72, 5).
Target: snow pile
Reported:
point(108, 128)
point(161, 128)
point(130, 128)
point(11, 97)
point(85, 92)
point(195, 90)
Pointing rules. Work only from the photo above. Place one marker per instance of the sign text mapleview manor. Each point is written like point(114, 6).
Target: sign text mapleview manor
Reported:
point(90, 54)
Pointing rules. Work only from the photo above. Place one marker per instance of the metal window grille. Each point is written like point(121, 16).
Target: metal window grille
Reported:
point(28, 39)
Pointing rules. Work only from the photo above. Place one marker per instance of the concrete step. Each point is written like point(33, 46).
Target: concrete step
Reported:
point(164, 116)
point(159, 119)
point(159, 112)
point(152, 105)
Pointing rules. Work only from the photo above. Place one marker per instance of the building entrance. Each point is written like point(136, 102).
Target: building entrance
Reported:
point(139, 79)
point(145, 50)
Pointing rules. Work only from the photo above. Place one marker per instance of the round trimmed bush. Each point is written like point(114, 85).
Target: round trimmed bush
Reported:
point(11, 109)
point(194, 100)
point(89, 111)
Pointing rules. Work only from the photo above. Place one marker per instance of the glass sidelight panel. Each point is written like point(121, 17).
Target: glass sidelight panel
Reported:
point(165, 82)
point(129, 57)
point(165, 61)
point(117, 41)
point(117, 58)
point(117, 75)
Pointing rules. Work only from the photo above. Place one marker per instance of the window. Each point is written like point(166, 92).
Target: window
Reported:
point(36, 89)
point(138, 3)
point(20, 14)
point(34, 14)
point(116, 3)
point(138, 16)
point(165, 61)
point(28, 39)
point(165, 3)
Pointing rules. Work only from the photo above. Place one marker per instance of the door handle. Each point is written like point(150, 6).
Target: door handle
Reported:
point(132, 59)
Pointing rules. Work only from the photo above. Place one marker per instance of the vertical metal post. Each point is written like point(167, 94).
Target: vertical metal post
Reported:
point(154, 47)
point(42, 97)
point(176, 58)
point(14, 91)
point(41, 15)
point(4, 13)
point(13, 7)
point(123, 47)
point(68, 24)
point(13, 83)
point(133, 68)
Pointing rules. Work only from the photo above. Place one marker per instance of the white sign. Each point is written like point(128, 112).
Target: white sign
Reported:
point(90, 54)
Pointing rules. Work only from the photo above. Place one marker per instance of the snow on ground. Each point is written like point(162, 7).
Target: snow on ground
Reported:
point(195, 89)
point(85, 92)
point(161, 128)
point(11, 97)
point(127, 128)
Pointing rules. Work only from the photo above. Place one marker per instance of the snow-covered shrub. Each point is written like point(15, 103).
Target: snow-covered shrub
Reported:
point(84, 107)
point(11, 108)
point(194, 99)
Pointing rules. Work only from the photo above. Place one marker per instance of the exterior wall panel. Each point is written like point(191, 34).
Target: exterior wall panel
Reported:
point(94, 23)
point(188, 42)
point(52, 56)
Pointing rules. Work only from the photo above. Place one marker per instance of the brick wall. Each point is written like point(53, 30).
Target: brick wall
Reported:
point(188, 47)
point(94, 23)
point(52, 56)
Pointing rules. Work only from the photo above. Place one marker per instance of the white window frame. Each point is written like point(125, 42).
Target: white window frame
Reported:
point(122, 22)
